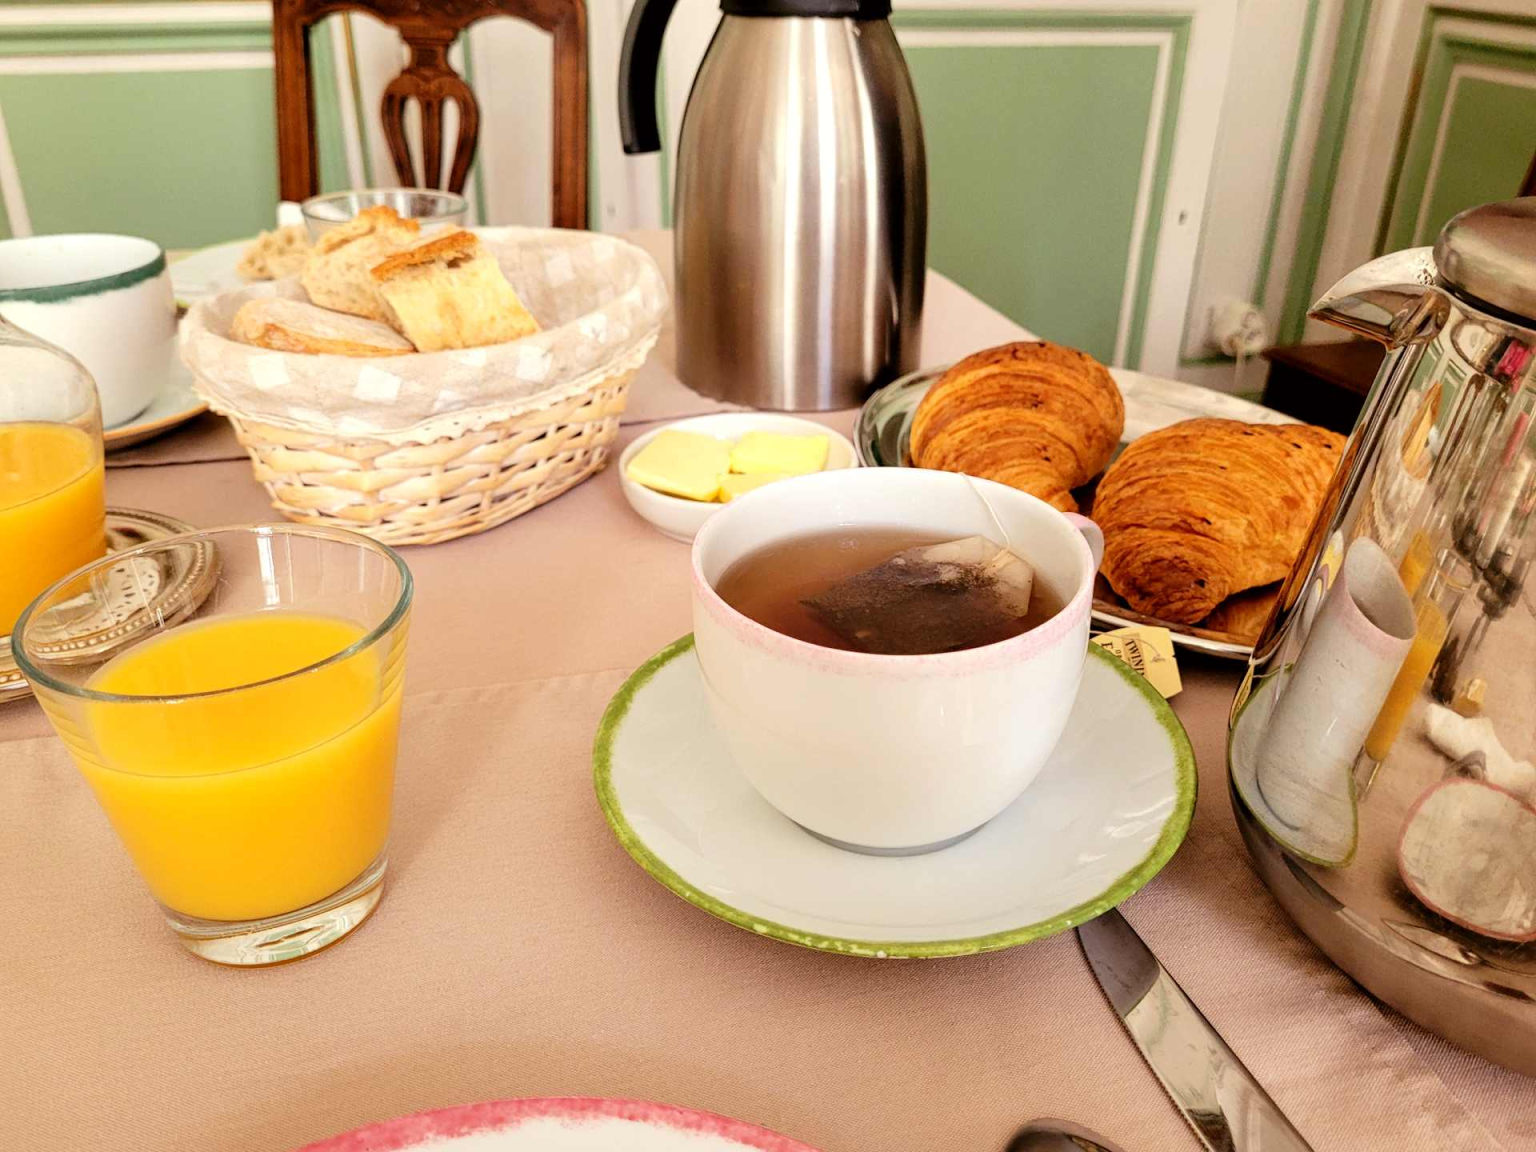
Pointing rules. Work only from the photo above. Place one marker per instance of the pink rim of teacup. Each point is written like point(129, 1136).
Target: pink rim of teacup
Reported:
point(412, 1131)
point(1010, 651)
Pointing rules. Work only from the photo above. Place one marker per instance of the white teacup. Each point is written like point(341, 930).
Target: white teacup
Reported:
point(105, 299)
point(892, 754)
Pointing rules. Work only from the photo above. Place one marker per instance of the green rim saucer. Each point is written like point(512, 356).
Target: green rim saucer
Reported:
point(1108, 810)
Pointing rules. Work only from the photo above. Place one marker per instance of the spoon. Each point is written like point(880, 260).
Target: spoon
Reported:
point(1057, 1136)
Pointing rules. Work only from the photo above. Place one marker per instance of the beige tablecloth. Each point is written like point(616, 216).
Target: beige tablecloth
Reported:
point(520, 952)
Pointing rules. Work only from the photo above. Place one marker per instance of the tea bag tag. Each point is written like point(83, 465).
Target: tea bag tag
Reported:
point(1149, 651)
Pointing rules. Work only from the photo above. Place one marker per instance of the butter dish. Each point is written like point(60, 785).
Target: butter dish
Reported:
point(680, 518)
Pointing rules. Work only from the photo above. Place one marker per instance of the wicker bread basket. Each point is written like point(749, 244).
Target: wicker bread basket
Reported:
point(423, 448)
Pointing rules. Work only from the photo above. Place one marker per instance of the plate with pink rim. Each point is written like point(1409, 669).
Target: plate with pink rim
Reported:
point(561, 1124)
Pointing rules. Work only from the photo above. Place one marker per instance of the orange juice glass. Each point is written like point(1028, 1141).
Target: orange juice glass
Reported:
point(52, 507)
point(245, 756)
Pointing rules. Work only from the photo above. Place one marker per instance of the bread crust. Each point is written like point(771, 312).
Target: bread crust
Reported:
point(1207, 508)
point(336, 274)
point(293, 326)
point(1034, 415)
point(454, 244)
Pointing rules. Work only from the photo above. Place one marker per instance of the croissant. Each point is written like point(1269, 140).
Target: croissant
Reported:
point(1244, 615)
point(1035, 416)
point(1200, 510)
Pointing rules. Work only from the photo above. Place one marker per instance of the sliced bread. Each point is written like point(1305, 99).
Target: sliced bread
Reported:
point(445, 292)
point(336, 272)
point(273, 255)
point(294, 326)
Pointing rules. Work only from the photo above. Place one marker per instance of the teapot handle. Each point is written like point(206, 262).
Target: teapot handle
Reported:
point(638, 64)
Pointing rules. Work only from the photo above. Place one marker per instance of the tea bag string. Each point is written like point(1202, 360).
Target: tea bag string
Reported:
point(1006, 540)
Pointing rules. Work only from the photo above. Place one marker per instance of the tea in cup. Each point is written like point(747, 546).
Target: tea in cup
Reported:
point(891, 711)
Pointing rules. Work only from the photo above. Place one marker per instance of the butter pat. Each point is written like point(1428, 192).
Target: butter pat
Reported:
point(733, 485)
point(682, 464)
point(1150, 652)
point(758, 452)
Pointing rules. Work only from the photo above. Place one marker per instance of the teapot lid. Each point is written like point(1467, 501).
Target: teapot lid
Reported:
point(1489, 253)
point(854, 9)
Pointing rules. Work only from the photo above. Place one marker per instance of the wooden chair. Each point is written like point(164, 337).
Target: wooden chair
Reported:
point(429, 28)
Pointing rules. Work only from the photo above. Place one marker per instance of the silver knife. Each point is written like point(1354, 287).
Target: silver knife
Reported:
point(1222, 1101)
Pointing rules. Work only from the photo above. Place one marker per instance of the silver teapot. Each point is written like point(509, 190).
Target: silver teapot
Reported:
point(1382, 746)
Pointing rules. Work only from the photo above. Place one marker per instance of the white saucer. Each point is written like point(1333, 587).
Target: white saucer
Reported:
point(209, 271)
point(1105, 814)
point(176, 404)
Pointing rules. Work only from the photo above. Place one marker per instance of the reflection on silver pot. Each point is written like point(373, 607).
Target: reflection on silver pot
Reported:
point(1383, 740)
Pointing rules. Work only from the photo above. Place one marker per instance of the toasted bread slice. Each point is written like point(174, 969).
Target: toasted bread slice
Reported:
point(336, 273)
point(446, 293)
point(273, 255)
point(294, 326)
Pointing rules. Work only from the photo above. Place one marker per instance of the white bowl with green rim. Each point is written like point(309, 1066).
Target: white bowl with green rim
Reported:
point(1105, 814)
point(106, 300)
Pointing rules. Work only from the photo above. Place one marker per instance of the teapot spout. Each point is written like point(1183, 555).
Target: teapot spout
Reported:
point(1393, 299)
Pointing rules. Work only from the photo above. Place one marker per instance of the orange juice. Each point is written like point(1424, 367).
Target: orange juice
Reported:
point(1415, 563)
point(1427, 639)
point(52, 510)
point(254, 802)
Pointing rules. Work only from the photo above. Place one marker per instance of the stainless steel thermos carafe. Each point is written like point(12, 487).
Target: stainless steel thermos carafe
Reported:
point(801, 205)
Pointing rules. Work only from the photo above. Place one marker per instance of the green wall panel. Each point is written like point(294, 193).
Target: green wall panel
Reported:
point(1034, 160)
point(1489, 140)
point(184, 158)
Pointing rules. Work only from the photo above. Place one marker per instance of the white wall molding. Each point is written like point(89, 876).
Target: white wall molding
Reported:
point(1206, 66)
point(10, 186)
point(351, 135)
point(1459, 72)
point(1303, 150)
point(1252, 175)
point(66, 15)
point(1377, 123)
point(133, 62)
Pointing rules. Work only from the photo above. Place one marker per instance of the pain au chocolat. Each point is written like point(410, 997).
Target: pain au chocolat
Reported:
point(1204, 509)
point(1032, 415)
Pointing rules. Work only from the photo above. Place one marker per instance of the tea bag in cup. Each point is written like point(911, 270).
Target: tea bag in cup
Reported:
point(932, 598)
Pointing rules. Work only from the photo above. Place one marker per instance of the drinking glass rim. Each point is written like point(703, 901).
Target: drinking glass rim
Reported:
point(458, 202)
point(36, 675)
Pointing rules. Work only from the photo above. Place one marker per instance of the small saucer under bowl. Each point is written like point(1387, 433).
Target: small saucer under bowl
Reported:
point(173, 405)
point(1107, 811)
point(168, 591)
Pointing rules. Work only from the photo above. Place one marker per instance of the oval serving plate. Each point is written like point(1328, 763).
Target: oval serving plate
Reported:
point(882, 435)
point(561, 1124)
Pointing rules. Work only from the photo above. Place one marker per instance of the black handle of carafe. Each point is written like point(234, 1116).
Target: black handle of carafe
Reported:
point(638, 64)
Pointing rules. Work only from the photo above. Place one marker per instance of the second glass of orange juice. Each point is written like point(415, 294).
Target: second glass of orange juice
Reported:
point(52, 503)
point(245, 757)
